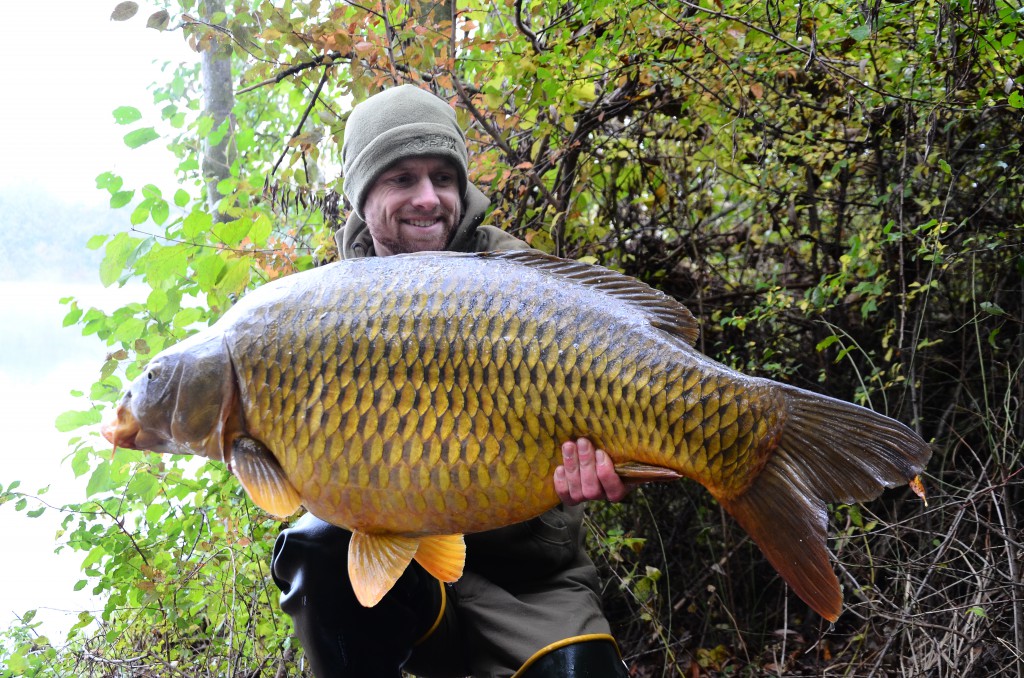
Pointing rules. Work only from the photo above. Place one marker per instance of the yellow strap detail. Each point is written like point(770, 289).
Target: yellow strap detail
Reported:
point(440, 615)
point(562, 643)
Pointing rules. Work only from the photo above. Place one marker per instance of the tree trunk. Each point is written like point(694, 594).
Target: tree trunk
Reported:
point(218, 100)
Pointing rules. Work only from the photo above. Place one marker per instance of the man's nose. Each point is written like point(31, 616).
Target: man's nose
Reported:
point(426, 195)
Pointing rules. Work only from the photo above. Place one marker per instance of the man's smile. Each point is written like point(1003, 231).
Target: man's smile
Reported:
point(423, 222)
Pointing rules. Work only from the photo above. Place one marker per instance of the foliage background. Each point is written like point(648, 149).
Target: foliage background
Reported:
point(833, 188)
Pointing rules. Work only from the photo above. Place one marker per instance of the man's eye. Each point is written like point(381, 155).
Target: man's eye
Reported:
point(444, 179)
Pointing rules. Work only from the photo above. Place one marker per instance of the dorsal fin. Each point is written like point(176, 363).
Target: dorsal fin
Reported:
point(661, 310)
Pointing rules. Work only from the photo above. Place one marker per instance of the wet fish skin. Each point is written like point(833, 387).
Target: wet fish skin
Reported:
point(428, 395)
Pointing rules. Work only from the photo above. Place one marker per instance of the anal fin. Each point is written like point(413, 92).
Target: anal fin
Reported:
point(375, 562)
point(261, 475)
point(443, 556)
point(635, 472)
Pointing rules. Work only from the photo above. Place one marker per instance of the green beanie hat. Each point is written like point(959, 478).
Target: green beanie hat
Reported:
point(398, 123)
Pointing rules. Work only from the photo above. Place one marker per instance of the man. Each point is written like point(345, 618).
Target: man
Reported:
point(528, 601)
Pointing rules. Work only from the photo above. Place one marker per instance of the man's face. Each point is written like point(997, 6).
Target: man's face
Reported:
point(414, 206)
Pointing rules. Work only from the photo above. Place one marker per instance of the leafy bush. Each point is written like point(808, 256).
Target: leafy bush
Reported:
point(833, 190)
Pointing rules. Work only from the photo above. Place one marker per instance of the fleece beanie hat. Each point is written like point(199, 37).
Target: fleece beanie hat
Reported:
point(398, 123)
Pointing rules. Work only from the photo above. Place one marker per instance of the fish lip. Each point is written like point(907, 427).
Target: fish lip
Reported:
point(122, 429)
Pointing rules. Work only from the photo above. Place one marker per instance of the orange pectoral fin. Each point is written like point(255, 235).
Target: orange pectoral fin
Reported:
point(263, 478)
point(443, 556)
point(375, 562)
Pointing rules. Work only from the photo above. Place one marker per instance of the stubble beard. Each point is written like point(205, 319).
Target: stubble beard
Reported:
point(398, 244)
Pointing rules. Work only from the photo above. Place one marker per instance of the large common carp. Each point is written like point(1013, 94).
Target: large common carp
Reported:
point(416, 398)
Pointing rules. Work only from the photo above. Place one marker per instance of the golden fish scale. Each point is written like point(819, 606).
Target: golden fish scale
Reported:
point(434, 411)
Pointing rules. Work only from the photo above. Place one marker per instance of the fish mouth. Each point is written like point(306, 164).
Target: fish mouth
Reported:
point(121, 429)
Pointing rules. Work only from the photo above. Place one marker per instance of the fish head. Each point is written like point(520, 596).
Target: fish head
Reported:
point(179, 404)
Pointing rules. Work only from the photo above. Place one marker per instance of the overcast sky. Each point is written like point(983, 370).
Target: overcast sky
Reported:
point(65, 67)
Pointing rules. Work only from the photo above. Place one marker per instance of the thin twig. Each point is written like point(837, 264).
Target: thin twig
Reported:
point(305, 115)
point(298, 68)
point(525, 30)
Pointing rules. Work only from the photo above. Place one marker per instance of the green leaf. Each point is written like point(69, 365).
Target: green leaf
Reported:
point(826, 342)
point(186, 317)
point(166, 264)
point(154, 512)
point(100, 480)
point(116, 257)
point(80, 464)
point(196, 224)
point(236, 278)
point(109, 181)
point(231, 233)
point(121, 198)
point(145, 487)
point(125, 115)
point(69, 421)
point(156, 300)
point(140, 213)
point(140, 137)
point(260, 230)
point(208, 270)
point(72, 317)
point(245, 139)
point(181, 197)
point(129, 330)
point(160, 211)
point(96, 241)
point(1016, 100)
point(862, 32)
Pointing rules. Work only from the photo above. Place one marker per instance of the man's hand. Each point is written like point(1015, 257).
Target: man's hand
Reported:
point(587, 474)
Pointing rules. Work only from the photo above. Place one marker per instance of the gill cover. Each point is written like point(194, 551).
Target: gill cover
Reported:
point(183, 399)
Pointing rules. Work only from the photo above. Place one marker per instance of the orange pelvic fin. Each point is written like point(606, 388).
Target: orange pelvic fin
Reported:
point(262, 477)
point(829, 451)
point(375, 562)
point(443, 556)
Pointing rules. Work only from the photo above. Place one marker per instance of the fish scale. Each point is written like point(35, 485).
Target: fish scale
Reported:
point(415, 398)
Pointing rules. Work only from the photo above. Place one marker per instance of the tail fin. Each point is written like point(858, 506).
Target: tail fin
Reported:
point(829, 451)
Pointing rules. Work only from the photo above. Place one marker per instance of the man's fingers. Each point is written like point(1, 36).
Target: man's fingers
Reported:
point(586, 474)
point(590, 484)
point(571, 492)
point(611, 482)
